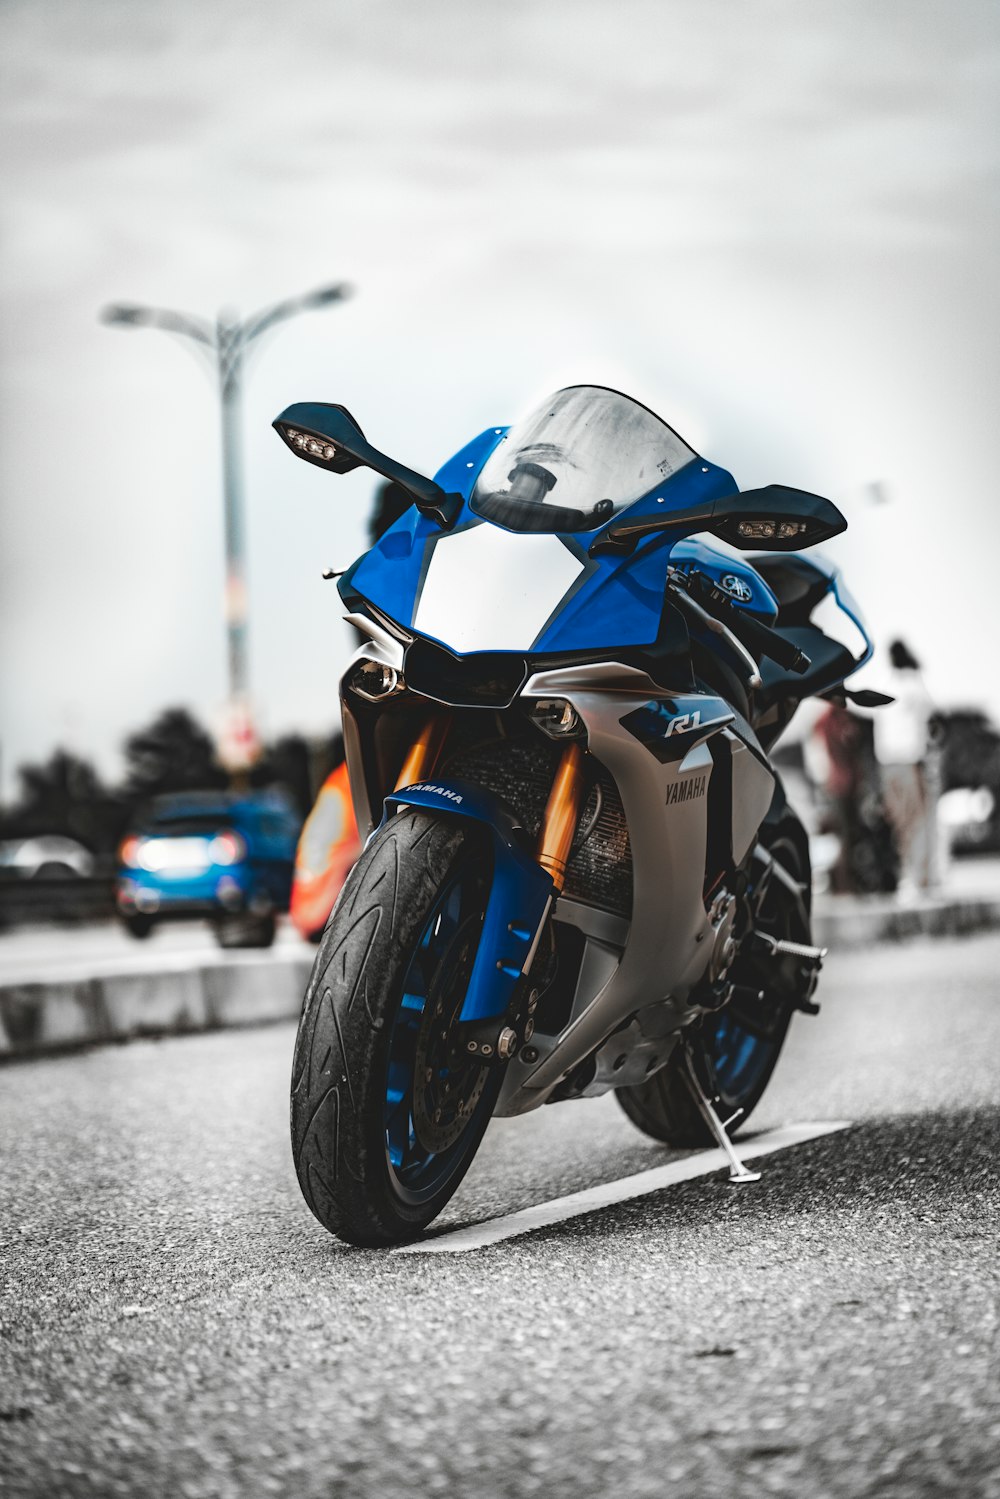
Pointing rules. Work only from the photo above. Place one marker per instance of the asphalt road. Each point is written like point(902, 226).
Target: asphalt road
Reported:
point(173, 1322)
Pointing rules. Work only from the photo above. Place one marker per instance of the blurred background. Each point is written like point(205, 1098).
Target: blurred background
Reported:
point(776, 225)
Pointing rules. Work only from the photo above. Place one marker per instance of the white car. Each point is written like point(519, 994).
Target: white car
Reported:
point(48, 854)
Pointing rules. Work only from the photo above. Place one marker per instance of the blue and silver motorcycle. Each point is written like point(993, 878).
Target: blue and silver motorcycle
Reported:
point(581, 873)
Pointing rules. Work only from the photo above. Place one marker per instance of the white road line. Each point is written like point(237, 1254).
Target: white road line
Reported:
point(561, 1208)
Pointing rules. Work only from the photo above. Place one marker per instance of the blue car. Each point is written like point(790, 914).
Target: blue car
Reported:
point(221, 854)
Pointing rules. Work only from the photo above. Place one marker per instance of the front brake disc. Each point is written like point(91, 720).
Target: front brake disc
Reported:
point(447, 1084)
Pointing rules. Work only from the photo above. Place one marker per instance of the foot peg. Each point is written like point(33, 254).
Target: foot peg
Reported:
point(810, 957)
point(738, 1172)
point(780, 947)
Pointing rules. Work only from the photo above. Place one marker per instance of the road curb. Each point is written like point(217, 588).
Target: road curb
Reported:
point(846, 921)
point(94, 1009)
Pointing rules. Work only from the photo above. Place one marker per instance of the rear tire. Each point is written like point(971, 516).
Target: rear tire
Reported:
point(392, 968)
point(734, 1066)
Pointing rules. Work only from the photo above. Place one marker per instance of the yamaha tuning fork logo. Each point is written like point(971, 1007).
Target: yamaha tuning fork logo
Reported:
point(736, 587)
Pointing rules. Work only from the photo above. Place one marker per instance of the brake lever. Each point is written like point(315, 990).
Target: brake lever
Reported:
point(760, 639)
point(709, 622)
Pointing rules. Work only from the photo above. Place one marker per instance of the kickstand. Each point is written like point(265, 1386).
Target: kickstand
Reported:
point(739, 1172)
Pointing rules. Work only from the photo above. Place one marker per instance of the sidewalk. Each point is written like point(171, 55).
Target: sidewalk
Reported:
point(969, 902)
point(84, 991)
point(115, 1002)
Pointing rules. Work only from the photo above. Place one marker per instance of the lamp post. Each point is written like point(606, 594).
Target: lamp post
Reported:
point(224, 345)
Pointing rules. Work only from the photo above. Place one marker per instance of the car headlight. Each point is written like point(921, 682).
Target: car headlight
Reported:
point(227, 848)
point(129, 852)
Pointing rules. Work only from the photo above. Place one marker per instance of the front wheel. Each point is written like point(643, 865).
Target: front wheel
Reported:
point(386, 1111)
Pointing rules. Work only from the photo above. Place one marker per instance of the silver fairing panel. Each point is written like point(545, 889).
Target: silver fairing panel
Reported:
point(668, 942)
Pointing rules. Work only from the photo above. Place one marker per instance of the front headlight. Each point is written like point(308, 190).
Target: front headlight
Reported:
point(557, 718)
point(374, 680)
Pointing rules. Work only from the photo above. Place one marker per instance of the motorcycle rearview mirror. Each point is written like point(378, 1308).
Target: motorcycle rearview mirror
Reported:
point(861, 697)
point(776, 517)
point(784, 519)
point(330, 437)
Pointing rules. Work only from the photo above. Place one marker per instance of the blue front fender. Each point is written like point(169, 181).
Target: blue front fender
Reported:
point(519, 898)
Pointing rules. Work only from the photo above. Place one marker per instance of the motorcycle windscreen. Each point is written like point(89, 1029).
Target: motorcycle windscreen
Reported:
point(526, 582)
point(578, 459)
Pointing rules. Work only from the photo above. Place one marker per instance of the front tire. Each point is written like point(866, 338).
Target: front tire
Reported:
point(386, 1116)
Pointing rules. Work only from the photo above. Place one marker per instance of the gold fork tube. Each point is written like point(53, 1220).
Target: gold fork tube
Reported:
point(562, 812)
point(423, 753)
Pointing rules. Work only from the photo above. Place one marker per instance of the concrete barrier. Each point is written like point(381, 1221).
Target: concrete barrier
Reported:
point(36, 1018)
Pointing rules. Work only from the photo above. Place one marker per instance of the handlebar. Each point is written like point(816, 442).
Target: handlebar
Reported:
point(758, 638)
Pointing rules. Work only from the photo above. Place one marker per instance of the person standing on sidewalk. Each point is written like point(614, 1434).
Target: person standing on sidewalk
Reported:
point(909, 761)
point(841, 754)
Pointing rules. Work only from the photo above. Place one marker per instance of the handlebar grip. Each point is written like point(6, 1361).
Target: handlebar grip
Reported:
point(764, 641)
point(759, 639)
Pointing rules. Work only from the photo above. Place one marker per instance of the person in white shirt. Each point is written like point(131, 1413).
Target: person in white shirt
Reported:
point(908, 760)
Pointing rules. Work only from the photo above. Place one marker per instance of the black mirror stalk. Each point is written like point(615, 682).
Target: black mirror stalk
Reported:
point(861, 697)
point(330, 437)
point(775, 518)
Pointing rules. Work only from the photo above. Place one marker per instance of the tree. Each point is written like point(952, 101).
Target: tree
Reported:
point(286, 763)
point(298, 765)
point(174, 753)
point(64, 794)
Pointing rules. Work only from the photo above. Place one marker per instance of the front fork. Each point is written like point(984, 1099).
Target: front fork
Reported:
point(501, 1035)
point(425, 751)
point(562, 810)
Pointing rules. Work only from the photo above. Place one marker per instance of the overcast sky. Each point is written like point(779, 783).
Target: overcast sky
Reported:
point(776, 224)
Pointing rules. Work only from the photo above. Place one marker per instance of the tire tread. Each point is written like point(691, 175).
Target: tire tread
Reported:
point(337, 1090)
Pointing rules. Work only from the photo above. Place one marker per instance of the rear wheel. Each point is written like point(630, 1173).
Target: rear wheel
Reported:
point(735, 1051)
point(387, 1111)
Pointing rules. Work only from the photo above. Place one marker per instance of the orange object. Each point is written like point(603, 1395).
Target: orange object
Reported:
point(562, 813)
point(424, 751)
point(328, 846)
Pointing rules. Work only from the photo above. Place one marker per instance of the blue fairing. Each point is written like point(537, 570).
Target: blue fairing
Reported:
point(613, 600)
point(723, 568)
point(846, 602)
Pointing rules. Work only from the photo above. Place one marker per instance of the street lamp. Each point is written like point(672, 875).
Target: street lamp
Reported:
point(224, 345)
